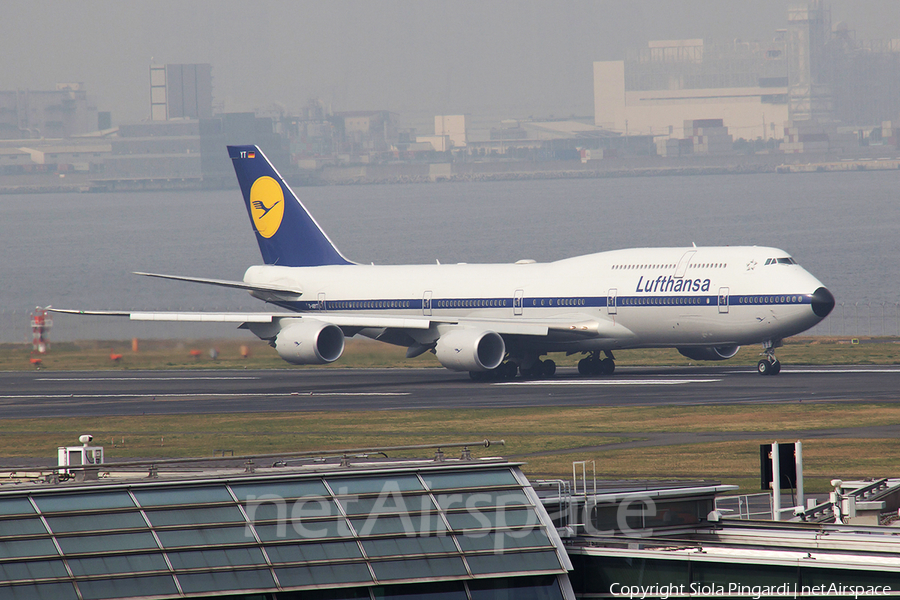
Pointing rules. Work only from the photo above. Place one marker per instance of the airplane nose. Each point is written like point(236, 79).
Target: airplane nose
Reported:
point(822, 302)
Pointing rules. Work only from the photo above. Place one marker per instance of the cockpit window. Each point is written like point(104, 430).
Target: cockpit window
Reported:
point(781, 261)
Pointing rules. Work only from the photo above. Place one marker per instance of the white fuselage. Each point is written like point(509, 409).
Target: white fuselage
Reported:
point(644, 297)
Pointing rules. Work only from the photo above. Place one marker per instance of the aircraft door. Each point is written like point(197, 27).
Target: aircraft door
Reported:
point(426, 303)
point(518, 302)
point(683, 263)
point(611, 301)
point(321, 301)
point(723, 300)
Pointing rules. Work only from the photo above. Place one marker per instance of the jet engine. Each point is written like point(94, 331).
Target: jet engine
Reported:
point(709, 352)
point(470, 350)
point(310, 342)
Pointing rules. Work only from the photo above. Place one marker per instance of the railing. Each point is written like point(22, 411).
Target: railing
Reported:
point(746, 507)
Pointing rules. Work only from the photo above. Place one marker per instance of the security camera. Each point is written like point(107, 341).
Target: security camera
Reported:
point(86, 439)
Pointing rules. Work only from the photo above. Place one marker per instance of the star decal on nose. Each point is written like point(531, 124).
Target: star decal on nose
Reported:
point(751, 265)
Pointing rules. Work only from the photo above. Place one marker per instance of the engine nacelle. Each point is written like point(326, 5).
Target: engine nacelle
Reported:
point(470, 350)
point(709, 352)
point(310, 342)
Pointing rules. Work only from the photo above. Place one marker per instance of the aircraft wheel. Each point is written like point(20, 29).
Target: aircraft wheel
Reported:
point(509, 370)
point(764, 367)
point(776, 368)
point(607, 366)
point(548, 368)
point(584, 366)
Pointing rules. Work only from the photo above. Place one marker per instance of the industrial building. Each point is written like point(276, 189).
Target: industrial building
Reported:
point(180, 91)
point(810, 82)
point(34, 114)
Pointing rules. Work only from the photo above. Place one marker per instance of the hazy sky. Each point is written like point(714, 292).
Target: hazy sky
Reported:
point(417, 58)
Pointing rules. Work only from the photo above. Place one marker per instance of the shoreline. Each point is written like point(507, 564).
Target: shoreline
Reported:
point(408, 173)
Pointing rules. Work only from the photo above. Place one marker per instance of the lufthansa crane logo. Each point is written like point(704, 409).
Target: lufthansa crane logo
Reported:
point(266, 206)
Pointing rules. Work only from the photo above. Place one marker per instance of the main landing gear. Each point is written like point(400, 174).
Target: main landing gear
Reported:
point(594, 365)
point(539, 369)
point(769, 365)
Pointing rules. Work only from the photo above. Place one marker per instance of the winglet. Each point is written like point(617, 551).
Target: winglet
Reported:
point(285, 231)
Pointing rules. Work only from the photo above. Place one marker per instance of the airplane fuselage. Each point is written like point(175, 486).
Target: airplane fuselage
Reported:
point(645, 297)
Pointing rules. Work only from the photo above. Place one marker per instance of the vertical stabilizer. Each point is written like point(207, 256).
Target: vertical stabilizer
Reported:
point(285, 231)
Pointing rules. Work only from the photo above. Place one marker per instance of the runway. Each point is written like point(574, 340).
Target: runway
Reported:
point(102, 393)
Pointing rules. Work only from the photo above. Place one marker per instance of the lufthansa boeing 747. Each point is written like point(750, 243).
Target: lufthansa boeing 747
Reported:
point(499, 320)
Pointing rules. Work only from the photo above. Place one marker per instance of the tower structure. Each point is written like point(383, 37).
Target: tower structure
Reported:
point(809, 93)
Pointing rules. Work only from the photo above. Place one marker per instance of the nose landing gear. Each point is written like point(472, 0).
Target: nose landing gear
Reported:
point(769, 365)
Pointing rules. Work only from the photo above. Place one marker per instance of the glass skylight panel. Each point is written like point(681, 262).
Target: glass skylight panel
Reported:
point(374, 485)
point(483, 499)
point(406, 546)
point(16, 506)
point(96, 522)
point(490, 519)
point(391, 503)
point(445, 590)
point(504, 540)
point(212, 557)
point(215, 536)
point(10, 527)
point(179, 496)
point(477, 479)
point(324, 575)
point(513, 562)
point(129, 563)
point(195, 516)
point(418, 568)
point(406, 524)
point(338, 594)
point(220, 581)
point(86, 544)
point(286, 490)
point(39, 591)
point(272, 510)
point(520, 588)
point(100, 589)
point(83, 501)
point(31, 570)
point(303, 530)
point(25, 548)
point(294, 553)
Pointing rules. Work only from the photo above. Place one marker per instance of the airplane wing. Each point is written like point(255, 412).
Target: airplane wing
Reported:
point(253, 287)
point(341, 320)
point(579, 326)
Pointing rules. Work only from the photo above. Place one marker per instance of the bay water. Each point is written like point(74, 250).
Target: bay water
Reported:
point(78, 250)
